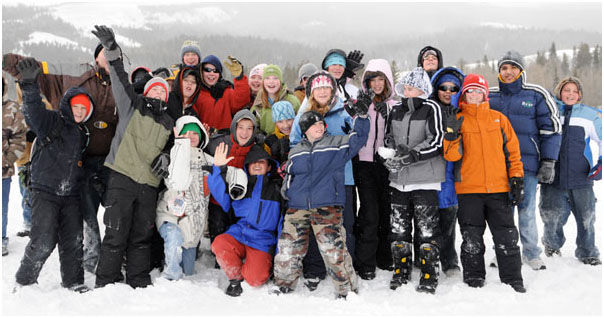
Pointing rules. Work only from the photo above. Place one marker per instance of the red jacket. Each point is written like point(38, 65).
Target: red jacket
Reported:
point(218, 113)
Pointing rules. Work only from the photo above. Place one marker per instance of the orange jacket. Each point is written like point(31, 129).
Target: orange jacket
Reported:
point(487, 150)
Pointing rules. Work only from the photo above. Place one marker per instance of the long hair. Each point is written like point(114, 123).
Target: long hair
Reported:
point(314, 105)
point(264, 96)
point(386, 93)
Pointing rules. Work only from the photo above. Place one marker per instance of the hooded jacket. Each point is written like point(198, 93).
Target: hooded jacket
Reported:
point(56, 167)
point(534, 116)
point(176, 109)
point(420, 60)
point(234, 148)
point(264, 112)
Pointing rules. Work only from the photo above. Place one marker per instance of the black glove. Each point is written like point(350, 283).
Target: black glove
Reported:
point(382, 108)
point(160, 164)
point(517, 190)
point(452, 123)
point(346, 128)
point(29, 70)
point(353, 63)
point(547, 171)
point(360, 107)
point(106, 36)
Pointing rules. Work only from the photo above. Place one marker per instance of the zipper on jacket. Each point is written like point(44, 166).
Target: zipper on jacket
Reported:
point(377, 115)
point(259, 213)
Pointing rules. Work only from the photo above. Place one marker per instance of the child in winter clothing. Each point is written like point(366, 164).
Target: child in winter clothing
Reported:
point(182, 210)
point(578, 165)
point(56, 175)
point(487, 160)
point(255, 81)
point(414, 135)
point(314, 186)
point(142, 132)
point(254, 237)
point(277, 143)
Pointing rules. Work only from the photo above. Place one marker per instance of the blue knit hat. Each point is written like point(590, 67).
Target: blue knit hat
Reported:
point(448, 78)
point(212, 59)
point(283, 110)
point(334, 58)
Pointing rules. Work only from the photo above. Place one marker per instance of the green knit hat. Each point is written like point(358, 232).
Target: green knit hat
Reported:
point(273, 69)
point(191, 127)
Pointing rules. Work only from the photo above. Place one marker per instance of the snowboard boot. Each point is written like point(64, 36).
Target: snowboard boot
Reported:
point(401, 253)
point(234, 288)
point(591, 261)
point(429, 258)
point(312, 283)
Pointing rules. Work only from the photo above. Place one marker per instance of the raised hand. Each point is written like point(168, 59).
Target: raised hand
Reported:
point(220, 155)
point(105, 36)
point(235, 66)
point(353, 63)
point(29, 70)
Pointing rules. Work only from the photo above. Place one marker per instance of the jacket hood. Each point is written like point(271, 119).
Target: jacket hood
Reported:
point(187, 119)
point(243, 114)
point(338, 51)
point(177, 86)
point(378, 65)
point(448, 70)
point(65, 106)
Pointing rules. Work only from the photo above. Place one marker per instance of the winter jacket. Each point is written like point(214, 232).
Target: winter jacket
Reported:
point(56, 166)
point(216, 105)
point(277, 146)
point(338, 123)
point(417, 125)
point(235, 149)
point(535, 119)
point(259, 212)
point(486, 153)
point(13, 136)
point(420, 59)
point(186, 190)
point(103, 122)
point(315, 171)
point(264, 113)
point(447, 196)
point(141, 133)
point(580, 160)
point(378, 123)
point(176, 107)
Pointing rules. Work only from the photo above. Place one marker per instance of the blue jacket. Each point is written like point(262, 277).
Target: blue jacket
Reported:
point(447, 196)
point(580, 158)
point(56, 168)
point(337, 120)
point(259, 212)
point(534, 117)
point(315, 171)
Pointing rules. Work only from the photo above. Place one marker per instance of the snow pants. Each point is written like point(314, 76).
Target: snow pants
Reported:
point(495, 209)
point(230, 255)
point(129, 221)
point(331, 237)
point(448, 220)
point(55, 220)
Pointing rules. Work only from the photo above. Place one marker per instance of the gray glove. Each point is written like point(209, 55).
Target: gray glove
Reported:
point(159, 166)
point(547, 171)
point(105, 36)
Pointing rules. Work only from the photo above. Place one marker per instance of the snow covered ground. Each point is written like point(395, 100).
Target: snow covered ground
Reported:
point(566, 288)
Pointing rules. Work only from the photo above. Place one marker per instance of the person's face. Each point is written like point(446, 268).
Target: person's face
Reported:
point(244, 131)
point(570, 94)
point(322, 95)
point(210, 74)
point(411, 92)
point(190, 58)
point(430, 63)
point(255, 82)
point(258, 168)
point(446, 90)
point(315, 131)
point(101, 61)
point(336, 70)
point(157, 92)
point(377, 84)
point(509, 73)
point(79, 112)
point(474, 96)
point(272, 84)
point(189, 84)
point(285, 125)
point(193, 137)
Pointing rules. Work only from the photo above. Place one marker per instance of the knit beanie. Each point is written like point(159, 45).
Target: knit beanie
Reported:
point(256, 153)
point(82, 99)
point(513, 58)
point(320, 81)
point(306, 70)
point(334, 58)
point(156, 81)
point(257, 70)
point(272, 69)
point(476, 81)
point(97, 50)
point(417, 78)
point(190, 46)
point(282, 110)
point(564, 81)
point(212, 59)
point(191, 127)
point(448, 78)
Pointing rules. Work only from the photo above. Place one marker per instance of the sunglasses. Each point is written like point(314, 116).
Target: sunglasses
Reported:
point(210, 70)
point(475, 90)
point(447, 88)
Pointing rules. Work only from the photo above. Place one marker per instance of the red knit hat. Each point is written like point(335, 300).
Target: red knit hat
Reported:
point(476, 81)
point(82, 99)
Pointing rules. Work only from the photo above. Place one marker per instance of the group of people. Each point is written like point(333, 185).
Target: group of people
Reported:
point(273, 175)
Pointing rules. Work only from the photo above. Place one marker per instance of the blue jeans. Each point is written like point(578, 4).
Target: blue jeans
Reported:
point(5, 193)
point(527, 223)
point(178, 259)
point(25, 204)
point(555, 207)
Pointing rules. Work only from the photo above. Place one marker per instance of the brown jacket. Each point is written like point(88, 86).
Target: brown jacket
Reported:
point(13, 136)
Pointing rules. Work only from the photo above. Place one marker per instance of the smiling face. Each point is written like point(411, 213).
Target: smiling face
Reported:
point(446, 90)
point(509, 73)
point(190, 58)
point(244, 131)
point(285, 126)
point(189, 84)
point(336, 70)
point(322, 95)
point(474, 96)
point(570, 94)
point(377, 84)
point(272, 84)
point(79, 112)
point(255, 82)
point(209, 74)
point(430, 63)
point(315, 131)
point(258, 168)
point(157, 92)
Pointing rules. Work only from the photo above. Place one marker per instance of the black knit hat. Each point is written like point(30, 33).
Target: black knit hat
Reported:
point(256, 153)
point(98, 49)
point(308, 119)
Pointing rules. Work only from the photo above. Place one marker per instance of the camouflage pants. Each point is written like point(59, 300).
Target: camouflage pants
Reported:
point(331, 238)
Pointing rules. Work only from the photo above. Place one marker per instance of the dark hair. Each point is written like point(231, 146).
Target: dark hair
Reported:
point(385, 94)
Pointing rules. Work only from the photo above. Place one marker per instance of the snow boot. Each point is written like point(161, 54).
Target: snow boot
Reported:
point(234, 288)
point(312, 283)
point(536, 263)
point(518, 287)
point(366, 275)
point(80, 288)
point(401, 253)
point(591, 261)
point(278, 290)
point(429, 258)
point(474, 282)
point(549, 252)
point(23, 233)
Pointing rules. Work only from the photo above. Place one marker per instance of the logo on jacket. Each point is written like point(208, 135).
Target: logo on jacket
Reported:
point(100, 124)
point(527, 104)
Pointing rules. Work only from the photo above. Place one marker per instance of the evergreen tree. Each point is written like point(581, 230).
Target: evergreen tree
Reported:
point(553, 56)
point(583, 58)
point(541, 58)
point(564, 65)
